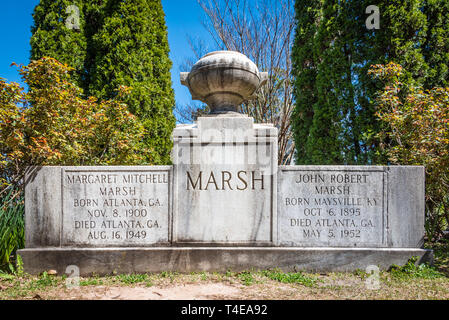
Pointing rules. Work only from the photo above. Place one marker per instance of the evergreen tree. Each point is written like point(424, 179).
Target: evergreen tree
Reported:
point(117, 43)
point(323, 56)
point(436, 45)
point(305, 69)
point(402, 29)
point(132, 49)
point(342, 127)
point(58, 32)
point(324, 142)
point(94, 15)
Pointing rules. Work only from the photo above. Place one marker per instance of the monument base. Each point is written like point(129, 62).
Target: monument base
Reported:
point(107, 261)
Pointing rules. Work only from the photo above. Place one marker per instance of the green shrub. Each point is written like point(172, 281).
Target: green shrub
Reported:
point(12, 233)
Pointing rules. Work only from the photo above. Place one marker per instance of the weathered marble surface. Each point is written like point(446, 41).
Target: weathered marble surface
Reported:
point(98, 206)
point(104, 261)
point(351, 206)
point(225, 182)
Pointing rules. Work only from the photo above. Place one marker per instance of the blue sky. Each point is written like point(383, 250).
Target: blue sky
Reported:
point(183, 18)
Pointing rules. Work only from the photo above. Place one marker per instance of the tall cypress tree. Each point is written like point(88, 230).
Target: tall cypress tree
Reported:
point(305, 70)
point(344, 51)
point(323, 56)
point(54, 35)
point(118, 43)
point(402, 30)
point(132, 49)
point(436, 45)
point(324, 142)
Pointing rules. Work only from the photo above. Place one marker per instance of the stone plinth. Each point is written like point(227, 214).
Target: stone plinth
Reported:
point(107, 261)
point(225, 182)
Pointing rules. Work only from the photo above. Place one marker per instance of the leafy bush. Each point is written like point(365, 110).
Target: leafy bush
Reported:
point(417, 133)
point(52, 124)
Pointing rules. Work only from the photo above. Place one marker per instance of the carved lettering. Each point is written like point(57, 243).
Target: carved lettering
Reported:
point(225, 180)
point(115, 208)
point(332, 208)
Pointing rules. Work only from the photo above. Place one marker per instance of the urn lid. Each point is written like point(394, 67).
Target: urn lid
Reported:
point(225, 59)
point(224, 80)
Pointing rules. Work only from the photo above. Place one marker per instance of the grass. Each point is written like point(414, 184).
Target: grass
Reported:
point(91, 282)
point(133, 278)
point(246, 277)
point(412, 271)
point(298, 277)
point(401, 282)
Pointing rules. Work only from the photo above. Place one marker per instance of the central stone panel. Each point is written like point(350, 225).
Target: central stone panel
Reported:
point(225, 182)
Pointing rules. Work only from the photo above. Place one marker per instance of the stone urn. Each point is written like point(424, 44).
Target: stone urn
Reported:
point(224, 80)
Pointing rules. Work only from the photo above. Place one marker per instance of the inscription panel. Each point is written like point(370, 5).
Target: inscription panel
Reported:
point(115, 207)
point(332, 208)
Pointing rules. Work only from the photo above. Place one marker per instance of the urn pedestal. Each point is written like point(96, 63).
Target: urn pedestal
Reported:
point(225, 179)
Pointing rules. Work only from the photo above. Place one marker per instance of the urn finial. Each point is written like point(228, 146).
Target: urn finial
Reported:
point(224, 80)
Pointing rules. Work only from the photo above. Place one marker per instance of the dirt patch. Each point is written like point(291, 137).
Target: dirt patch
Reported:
point(177, 292)
point(239, 286)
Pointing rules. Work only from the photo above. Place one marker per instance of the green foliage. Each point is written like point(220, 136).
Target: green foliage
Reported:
point(119, 43)
point(7, 276)
point(436, 45)
point(12, 236)
point(44, 281)
point(132, 50)
point(169, 275)
point(91, 282)
point(246, 278)
point(133, 278)
point(297, 277)
point(441, 254)
point(417, 133)
point(19, 266)
point(411, 270)
point(305, 71)
point(334, 119)
point(52, 124)
point(52, 38)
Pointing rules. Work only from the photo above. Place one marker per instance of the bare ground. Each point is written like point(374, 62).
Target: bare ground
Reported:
point(206, 286)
